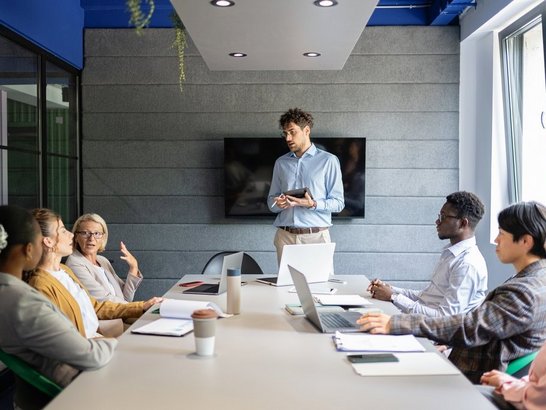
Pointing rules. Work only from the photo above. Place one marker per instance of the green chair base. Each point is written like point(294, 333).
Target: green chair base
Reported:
point(30, 375)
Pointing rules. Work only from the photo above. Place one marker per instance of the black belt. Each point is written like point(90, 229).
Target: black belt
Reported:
point(302, 231)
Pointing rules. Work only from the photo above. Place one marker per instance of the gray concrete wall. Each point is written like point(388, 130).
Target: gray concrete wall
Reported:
point(152, 157)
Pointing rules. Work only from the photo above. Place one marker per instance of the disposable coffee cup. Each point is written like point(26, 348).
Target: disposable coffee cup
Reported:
point(204, 328)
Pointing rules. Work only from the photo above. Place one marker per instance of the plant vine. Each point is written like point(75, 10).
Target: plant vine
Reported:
point(180, 45)
point(138, 18)
point(141, 20)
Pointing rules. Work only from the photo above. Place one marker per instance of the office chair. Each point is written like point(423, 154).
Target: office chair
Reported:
point(520, 367)
point(30, 375)
point(214, 264)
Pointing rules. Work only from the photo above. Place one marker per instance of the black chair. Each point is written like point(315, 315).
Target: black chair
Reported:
point(214, 265)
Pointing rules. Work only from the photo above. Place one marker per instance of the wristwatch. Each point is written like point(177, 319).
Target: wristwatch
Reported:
point(393, 296)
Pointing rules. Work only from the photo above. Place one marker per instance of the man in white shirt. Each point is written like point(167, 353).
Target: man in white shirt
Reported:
point(459, 281)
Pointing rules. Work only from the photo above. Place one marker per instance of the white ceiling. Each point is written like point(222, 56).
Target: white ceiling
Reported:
point(275, 33)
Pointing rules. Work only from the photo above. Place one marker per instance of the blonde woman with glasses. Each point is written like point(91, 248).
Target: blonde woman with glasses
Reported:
point(95, 271)
point(63, 288)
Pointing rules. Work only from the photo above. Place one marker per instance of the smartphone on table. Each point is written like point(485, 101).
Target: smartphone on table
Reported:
point(372, 358)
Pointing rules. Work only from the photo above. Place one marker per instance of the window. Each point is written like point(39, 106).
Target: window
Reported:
point(39, 148)
point(525, 108)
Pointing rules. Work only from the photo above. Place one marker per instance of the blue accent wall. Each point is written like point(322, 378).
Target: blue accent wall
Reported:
point(54, 25)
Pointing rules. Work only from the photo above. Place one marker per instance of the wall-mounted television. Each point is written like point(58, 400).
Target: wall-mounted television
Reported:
point(248, 168)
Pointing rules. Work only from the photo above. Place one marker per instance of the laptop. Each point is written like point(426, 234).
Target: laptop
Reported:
point(326, 322)
point(316, 260)
point(233, 261)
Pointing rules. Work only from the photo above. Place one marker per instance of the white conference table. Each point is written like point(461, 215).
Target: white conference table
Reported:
point(265, 359)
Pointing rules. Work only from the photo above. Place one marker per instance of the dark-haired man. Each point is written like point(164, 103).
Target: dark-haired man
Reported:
point(307, 219)
point(459, 280)
point(511, 322)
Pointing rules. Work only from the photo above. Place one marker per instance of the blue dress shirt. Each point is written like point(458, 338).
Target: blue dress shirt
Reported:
point(320, 172)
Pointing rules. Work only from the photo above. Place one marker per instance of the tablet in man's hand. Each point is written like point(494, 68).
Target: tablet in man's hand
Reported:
point(299, 193)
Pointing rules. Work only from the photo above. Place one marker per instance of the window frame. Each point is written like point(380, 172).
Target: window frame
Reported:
point(513, 136)
point(43, 58)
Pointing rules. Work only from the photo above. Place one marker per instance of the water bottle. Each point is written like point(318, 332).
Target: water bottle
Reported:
point(234, 291)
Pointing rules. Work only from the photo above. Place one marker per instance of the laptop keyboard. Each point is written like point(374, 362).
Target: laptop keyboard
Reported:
point(334, 320)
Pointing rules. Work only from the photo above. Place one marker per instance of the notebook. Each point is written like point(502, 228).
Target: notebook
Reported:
point(233, 261)
point(316, 260)
point(326, 322)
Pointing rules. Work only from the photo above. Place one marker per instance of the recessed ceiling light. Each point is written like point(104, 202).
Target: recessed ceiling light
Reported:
point(222, 3)
point(311, 54)
point(237, 54)
point(325, 3)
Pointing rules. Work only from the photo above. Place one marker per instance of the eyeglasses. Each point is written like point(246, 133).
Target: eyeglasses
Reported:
point(87, 234)
point(443, 217)
point(291, 133)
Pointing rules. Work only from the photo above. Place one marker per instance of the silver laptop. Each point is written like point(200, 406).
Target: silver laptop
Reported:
point(316, 260)
point(233, 261)
point(326, 322)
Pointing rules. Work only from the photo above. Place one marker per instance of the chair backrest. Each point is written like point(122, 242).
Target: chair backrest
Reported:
point(214, 264)
point(30, 375)
point(520, 367)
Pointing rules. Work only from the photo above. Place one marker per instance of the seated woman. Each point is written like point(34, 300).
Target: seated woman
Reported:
point(31, 327)
point(527, 393)
point(95, 271)
point(60, 285)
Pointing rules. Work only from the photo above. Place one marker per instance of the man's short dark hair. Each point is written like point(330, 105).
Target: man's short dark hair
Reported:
point(19, 225)
point(468, 206)
point(526, 218)
point(298, 117)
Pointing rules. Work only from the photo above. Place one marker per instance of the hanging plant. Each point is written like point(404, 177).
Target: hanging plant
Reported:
point(180, 45)
point(141, 20)
point(138, 18)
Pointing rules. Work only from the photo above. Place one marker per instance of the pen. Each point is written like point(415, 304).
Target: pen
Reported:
point(334, 280)
point(281, 196)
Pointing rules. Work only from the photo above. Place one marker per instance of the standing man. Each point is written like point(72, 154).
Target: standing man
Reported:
point(511, 321)
point(459, 281)
point(306, 219)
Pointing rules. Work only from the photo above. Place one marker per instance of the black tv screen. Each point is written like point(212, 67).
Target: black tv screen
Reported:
point(248, 168)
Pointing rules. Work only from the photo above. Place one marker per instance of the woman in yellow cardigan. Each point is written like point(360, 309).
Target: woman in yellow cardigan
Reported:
point(57, 282)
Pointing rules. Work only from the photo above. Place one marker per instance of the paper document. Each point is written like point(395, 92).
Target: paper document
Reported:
point(409, 364)
point(296, 309)
point(166, 327)
point(175, 317)
point(342, 300)
point(317, 289)
point(182, 309)
point(363, 342)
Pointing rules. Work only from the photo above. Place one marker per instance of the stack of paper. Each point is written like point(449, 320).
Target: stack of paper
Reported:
point(409, 364)
point(175, 317)
point(342, 300)
point(362, 342)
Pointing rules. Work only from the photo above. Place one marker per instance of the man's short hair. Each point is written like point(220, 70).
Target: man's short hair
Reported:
point(526, 218)
point(298, 117)
point(468, 206)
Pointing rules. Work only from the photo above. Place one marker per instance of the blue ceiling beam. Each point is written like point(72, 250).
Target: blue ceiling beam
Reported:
point(445, 12)
point(399, 17)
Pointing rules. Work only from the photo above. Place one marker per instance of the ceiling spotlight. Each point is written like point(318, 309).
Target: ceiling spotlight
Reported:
point(222, 3)
point(311, 54)
point(237, 54)
point(325, 3)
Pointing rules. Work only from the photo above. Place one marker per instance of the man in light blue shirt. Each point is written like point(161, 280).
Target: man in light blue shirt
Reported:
point(305, 219)
point(459, 281)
